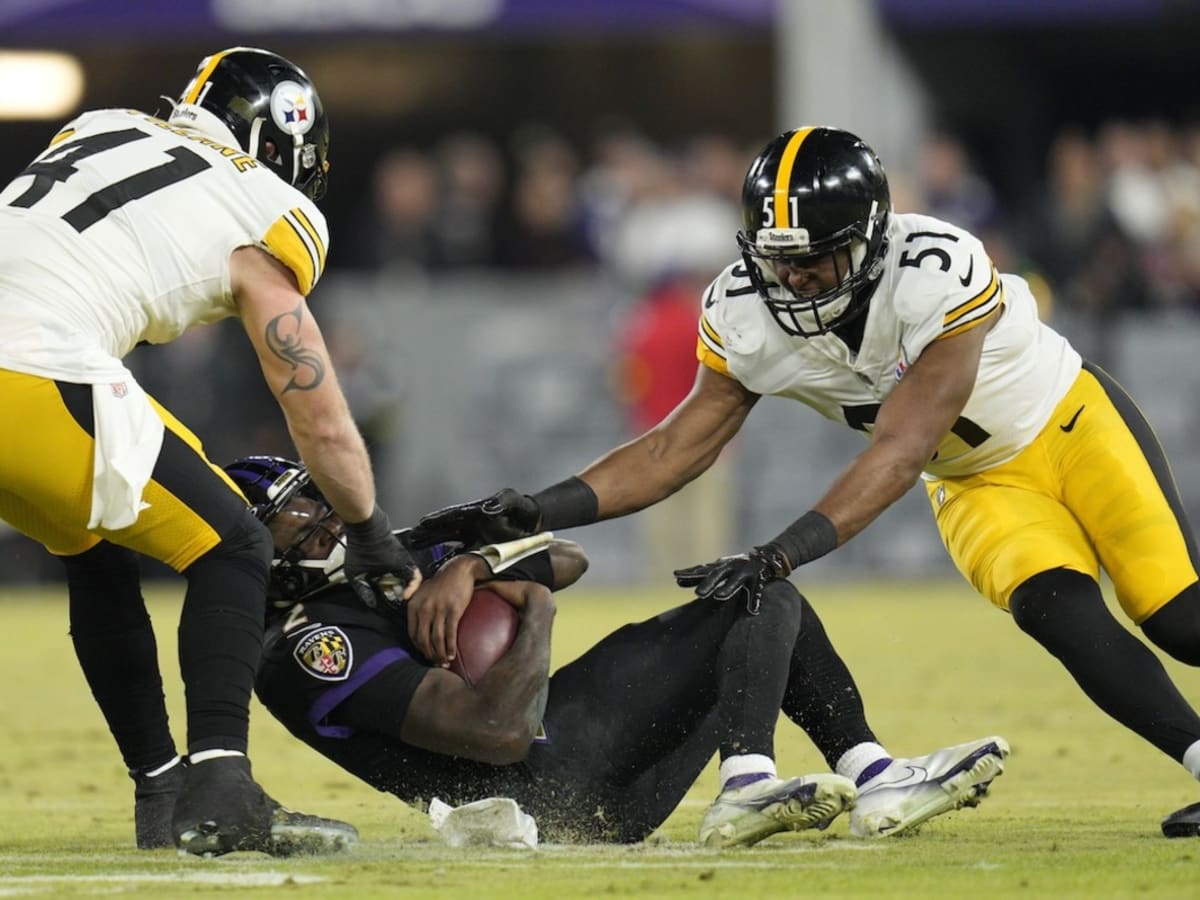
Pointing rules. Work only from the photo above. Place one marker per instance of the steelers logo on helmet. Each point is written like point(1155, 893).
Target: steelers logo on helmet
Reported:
point(292, 107)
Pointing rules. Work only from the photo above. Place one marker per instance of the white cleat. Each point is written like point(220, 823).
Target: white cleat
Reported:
point(743, 816)
point(911, 791)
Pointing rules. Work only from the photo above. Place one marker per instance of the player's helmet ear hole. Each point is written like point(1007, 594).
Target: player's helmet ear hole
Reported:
point(270, 150)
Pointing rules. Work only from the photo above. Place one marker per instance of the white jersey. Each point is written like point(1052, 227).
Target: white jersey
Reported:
point(937, 282)
point(122, 231)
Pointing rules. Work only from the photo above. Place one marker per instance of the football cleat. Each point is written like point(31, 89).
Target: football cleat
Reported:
point(153, 804)
point(300, 834)
point(911, 791)
point(1183, 822)
point(745, 815)
point(221, 809)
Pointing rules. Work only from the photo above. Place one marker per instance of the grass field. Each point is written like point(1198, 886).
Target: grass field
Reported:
point(1076, 814)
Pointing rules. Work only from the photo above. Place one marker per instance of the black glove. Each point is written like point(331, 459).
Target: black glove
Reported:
point(377, 565)
point(748, 573)
point(504, 516)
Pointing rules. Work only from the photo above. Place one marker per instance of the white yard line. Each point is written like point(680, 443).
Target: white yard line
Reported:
point(240, 879)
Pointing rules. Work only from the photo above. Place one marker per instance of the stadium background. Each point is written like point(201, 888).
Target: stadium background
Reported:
point(469, 373)
point(514, 180)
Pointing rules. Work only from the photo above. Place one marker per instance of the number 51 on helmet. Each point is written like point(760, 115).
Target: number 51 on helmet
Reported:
point(811, 194)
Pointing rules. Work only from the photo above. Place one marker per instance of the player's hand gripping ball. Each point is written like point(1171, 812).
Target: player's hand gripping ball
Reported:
point(486, 630)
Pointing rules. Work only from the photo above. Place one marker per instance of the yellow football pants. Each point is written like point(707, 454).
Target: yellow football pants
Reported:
point(46, 478)
point(1093, 490)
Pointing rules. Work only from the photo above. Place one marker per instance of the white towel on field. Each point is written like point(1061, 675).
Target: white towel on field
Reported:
point(492, 822)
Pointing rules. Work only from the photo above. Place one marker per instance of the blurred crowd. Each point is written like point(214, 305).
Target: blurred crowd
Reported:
point(639, 209)
point(1113, 225)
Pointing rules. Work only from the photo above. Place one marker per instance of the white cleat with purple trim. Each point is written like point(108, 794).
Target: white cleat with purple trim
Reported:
point(909, 792)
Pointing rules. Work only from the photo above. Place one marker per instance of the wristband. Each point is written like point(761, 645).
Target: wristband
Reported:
point(810, 537)
point(566, 504)
point(371, 530)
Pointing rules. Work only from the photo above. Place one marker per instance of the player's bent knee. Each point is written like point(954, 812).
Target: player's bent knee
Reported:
point(1175, 628)
point(1052, 606)
point(246, 548)
point(782, 604)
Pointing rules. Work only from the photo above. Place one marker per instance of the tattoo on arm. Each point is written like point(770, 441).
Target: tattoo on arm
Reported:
point(283, 337)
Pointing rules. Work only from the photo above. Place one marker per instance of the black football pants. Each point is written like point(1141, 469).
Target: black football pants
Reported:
point(633, 722)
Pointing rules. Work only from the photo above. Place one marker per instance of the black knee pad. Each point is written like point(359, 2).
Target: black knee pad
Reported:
point(782, 605)
point(1176, 627)
point(1054, 607)
point(245, 551)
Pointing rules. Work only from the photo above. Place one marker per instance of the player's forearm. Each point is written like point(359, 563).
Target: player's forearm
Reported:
point(516, 688)
point(877, 478)
point(339, 465)
point(641, 473)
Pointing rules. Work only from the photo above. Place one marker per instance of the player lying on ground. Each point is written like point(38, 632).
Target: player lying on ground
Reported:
point(1039, 467)
point(605, 748)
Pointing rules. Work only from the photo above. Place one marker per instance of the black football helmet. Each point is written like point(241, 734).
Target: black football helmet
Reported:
point(811, 193)
point(271, 484)
point(314, 543)
point(272, 109)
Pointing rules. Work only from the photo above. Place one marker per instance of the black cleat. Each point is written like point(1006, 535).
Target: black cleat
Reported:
point(299, 834)
point(153, 805)
point(223, 810)
point(1183, 822)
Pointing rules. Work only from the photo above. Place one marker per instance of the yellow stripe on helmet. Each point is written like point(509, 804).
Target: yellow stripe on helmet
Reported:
point(192, 94)
point(783, 177)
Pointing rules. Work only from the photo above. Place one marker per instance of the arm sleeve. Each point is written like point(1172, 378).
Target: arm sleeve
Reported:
point(380, 704)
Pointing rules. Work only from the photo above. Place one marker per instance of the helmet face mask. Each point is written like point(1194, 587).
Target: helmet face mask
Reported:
point(310, 545)
point(270, 107)
point(817, 200)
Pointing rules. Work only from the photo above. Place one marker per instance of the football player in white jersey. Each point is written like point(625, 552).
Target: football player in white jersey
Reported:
point(131, 228)
point(1039, 468)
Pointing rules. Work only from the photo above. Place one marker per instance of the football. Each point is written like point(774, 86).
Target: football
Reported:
point(485, 632)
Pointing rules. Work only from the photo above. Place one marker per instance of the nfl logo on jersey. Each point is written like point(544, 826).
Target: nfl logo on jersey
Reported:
point(901, 368)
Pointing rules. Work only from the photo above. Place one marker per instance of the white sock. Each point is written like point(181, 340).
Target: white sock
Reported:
point(746, 764)
point(165, 767)
point(213, 754)
point(856, 760)
point(1191, 760)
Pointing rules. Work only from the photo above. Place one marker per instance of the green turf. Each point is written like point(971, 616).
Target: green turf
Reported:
point(1076, 814)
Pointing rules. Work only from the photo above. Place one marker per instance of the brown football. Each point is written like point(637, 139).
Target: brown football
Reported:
point(485, 632)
